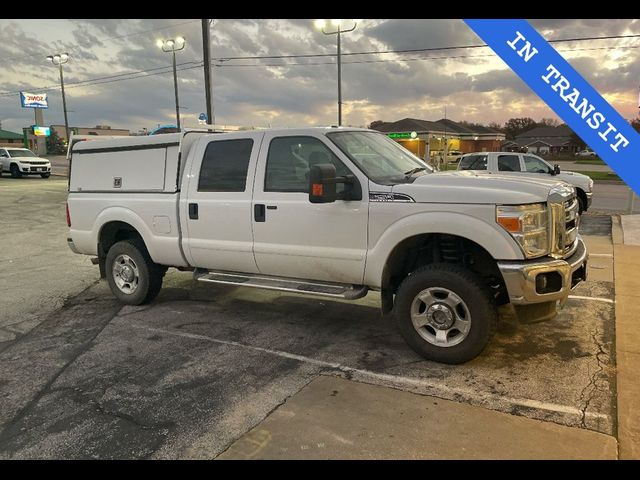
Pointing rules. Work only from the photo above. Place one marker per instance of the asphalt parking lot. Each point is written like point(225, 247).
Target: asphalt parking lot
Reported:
point(190, 374)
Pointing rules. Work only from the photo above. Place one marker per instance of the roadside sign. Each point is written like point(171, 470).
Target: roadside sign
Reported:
point(33, 100)
point(41, 131)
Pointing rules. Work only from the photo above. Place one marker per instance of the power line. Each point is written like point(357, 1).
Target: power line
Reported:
point(134, 75)
point(412, 50)
point(53, 87)
point(450, 57)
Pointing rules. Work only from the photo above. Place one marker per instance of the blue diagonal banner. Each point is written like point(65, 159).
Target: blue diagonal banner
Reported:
point(565, 91)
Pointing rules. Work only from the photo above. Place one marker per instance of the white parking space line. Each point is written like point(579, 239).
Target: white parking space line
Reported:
point(608, 255)
point(446, 392)
point(595, 299)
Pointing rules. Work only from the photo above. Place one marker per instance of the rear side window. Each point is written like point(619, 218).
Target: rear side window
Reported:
point(508, 163)
point(224, 166)
point(473, 162)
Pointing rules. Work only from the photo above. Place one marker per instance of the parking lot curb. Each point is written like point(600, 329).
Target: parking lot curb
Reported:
point(627, 307)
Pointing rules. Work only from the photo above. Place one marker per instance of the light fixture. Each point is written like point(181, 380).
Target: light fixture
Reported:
point(321, 24)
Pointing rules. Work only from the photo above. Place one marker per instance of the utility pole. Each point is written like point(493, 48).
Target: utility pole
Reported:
point(206, 53)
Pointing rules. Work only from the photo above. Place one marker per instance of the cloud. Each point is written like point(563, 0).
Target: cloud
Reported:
point(473, 84)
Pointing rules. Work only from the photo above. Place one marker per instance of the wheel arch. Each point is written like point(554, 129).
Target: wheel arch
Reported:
point(110, 233)
point(424, 249)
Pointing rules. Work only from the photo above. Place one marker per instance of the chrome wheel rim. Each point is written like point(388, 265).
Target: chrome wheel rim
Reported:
point(440, 317)
point(126, 274)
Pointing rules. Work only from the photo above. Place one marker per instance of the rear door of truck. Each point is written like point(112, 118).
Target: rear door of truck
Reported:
point(216, 210)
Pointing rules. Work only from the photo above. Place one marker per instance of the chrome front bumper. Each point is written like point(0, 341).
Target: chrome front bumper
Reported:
point(520, 277)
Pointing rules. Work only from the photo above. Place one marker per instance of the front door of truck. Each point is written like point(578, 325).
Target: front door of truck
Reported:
point(217, 208)
point(294, 237)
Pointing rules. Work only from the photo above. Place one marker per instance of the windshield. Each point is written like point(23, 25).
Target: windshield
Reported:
point(21, 153)
point(384, 161)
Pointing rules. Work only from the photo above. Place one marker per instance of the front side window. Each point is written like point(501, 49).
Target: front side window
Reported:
point(473, 162)
point(381, 159)
point(290, 159)
point(508, 163)
point(535, 165)
point(224, 166)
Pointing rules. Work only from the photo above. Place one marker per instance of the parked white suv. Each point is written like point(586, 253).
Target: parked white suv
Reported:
point(527, 164)
point(334, 212)
point(22, 161)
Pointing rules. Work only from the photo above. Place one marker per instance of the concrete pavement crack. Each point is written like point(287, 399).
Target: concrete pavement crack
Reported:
point(66, 304)
point(593, 381)
point(5, 436)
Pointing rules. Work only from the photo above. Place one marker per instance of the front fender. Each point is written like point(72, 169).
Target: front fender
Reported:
point(498, 242)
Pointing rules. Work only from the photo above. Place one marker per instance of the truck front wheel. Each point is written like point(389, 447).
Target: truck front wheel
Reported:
point(132, 276)
point(445, 313)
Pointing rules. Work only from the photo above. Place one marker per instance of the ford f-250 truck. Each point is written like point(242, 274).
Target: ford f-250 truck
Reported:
point(333, 212)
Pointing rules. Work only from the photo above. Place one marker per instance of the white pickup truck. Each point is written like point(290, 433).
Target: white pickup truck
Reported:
point(333, 212)
point(528, 164)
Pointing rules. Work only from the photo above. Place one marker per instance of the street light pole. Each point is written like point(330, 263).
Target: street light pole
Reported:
point(206, 53)
point(320, 25)
point(173, 46)
point(339, 81)
point(64, 103)
point(58, 59)
point(175, 86)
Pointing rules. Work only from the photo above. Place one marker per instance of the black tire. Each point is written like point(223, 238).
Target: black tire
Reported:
point(467, 286)
point(45, 175)
point(150, 274)
point(582, 206)
point(15, 171)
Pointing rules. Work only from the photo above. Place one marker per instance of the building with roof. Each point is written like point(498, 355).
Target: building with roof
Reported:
point(11, 139)
point(97, 130)
point(544, 141)
point(428, 139)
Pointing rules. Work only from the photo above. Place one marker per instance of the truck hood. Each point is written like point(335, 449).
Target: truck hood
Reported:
point(477, 187)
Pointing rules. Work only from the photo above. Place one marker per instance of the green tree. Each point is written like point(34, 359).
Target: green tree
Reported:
point(375, 124)
point(55, 145)
point(516, 126)
point(548, 122)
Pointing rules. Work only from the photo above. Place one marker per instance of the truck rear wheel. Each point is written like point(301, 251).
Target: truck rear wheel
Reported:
point(132, 276)
point(445, 313)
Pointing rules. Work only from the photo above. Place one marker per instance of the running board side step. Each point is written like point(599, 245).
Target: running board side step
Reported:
point(336, 290)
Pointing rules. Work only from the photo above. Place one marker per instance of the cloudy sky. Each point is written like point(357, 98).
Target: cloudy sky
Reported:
point(473, 84)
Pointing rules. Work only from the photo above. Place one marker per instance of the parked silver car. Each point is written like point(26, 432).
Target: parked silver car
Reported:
point(530, 165)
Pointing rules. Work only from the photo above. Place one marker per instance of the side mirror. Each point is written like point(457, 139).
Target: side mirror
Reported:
point(556, 169)
point(323, 181)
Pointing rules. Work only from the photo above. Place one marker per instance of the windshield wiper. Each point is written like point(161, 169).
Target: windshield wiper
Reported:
point(414, 170)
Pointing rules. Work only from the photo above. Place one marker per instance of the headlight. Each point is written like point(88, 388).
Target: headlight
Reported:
point(590, 184)
point(528, 224)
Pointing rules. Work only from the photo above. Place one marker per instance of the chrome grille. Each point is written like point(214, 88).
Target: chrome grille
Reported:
point(571, 222)
point(563, 210)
